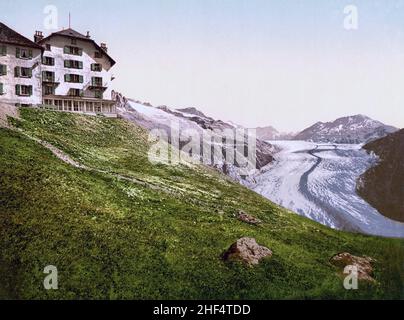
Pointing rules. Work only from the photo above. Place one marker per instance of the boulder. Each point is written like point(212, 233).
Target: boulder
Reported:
point(364, 264)
point(247, 218)
point(248, 251)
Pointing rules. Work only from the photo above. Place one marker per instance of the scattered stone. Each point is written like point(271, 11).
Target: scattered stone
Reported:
point(247, 250)
point(245, 217)
point(364, 264)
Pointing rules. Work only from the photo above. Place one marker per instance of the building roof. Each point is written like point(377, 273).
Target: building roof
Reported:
point(73, 34)
point(8, 35)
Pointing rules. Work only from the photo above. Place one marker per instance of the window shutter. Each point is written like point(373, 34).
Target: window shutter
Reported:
point(30, 53)
point(1, 88)
point(43, 75)
point(80, 64)
point(67, 64)
point(92, 67)
point(16, 72)
point(3, 50)
point(81, 79)
point(17, 52)
point(66, 50)
point(52, 61)
point(18, 90)
point(3, 69)
point(30, 72)
point(67, 77)
point(30, 90)
point(80, 52)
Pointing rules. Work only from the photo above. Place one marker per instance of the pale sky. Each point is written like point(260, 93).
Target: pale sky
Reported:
point(285, 63)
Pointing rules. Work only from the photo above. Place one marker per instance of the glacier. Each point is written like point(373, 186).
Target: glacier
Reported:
point(318, 181)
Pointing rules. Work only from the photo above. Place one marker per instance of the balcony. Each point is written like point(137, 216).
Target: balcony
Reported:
point(97, 85)
point(50, 81)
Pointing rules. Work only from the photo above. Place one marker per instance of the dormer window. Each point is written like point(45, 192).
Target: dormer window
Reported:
point(48, 47)
point(74, 41)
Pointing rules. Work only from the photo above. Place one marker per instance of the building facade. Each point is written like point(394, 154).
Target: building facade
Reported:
point(66, 70)
point(76, 73)
point(20, 69)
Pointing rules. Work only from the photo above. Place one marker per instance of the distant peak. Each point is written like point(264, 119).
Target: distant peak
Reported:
point(192, 110)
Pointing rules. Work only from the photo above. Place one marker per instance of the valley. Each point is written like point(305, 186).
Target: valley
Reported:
point(319, 181)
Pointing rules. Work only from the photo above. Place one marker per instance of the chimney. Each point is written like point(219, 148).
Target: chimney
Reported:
point(104, 47)
point(38, 36)
point(88, 35)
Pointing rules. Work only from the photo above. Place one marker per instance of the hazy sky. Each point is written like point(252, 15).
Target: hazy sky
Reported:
point(286, 63)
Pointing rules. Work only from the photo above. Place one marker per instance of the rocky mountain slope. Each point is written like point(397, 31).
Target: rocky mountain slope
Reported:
point(383, 185)
point(120, 227)
point(354, 129)
point(190, 120)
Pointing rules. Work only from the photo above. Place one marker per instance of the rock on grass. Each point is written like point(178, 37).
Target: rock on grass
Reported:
point(363, 264)
point(248, 251)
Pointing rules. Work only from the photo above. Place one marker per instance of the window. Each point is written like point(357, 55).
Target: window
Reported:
point(59, 104)
point(67, 105)
point(73, 64)
point(48, 76)
point(21, 72)
point(74, 78)
point(23, 53)
point(75, 92)
point(3, 69)
point(98, 54)
point(3, 50)
point(49, 90)
point(1, 89)
point(96, 81)
point(21, 90)
point(48, 47)
point(89, 107)
point(97, 107)
point(98, 94)
point(73, 50)
point(96, 67)
point(48, 61)
point(74, 41)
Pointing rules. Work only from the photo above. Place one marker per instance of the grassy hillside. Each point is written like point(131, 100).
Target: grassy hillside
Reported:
point(160, 237)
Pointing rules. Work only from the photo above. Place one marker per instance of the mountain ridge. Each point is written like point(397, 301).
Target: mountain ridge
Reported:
point(383, 185)
point(349, 129)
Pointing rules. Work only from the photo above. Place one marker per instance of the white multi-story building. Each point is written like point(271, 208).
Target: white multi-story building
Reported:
point(76, 73)
point(20, 69)
point(66, 70)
